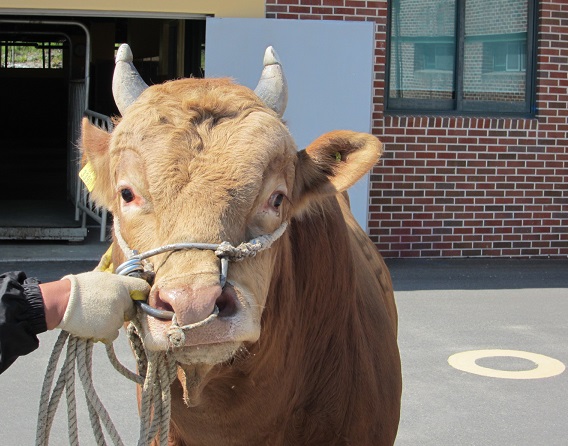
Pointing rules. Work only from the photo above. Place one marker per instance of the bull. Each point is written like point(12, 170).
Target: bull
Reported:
point(302, 346)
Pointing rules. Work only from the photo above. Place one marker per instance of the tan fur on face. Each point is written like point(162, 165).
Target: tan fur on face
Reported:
point(206, 162)
point(201, 173)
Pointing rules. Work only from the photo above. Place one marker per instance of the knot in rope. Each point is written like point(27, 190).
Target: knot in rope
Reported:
point(238, 253)
point(176, 334)
point(250, 248)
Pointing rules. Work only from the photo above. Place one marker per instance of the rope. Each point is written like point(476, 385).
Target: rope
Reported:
point(157, 371)
point(121, 242)
point(176, 333)
point(250, 248)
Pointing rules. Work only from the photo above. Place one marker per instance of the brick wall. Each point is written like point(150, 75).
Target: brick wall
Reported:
point(466, 186)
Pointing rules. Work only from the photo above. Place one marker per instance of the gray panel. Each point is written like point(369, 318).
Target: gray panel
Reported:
point(329, 67)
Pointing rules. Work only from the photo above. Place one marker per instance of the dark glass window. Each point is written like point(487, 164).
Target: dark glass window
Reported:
point(463, 56)
point(434, 56)
point(504, 56)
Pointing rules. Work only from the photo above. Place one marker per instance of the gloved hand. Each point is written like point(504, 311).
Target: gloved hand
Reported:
point(100, 303)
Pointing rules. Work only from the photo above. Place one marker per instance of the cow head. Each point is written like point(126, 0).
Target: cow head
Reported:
point(206, 160)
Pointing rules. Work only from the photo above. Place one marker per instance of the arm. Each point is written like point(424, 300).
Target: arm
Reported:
point(22, 316)
point(55, 299)
point(91, 305)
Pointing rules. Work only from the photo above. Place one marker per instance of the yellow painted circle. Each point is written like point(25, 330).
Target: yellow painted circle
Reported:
point(545, 365)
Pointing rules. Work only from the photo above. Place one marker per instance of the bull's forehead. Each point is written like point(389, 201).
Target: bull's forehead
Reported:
point(191, 137)
point(192, 115)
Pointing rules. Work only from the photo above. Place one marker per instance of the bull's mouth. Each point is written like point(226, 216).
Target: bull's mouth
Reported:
point(210, 354)
point(211, 343)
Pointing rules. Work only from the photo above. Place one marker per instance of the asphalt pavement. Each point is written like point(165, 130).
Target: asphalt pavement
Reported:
point(448, 307)
point(445, 307)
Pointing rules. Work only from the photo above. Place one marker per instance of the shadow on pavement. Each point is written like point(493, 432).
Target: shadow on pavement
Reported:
point(477, 274)
point(407, 274)
point(48, 271)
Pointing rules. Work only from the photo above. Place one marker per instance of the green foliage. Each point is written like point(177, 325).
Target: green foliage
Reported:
point(25, 55)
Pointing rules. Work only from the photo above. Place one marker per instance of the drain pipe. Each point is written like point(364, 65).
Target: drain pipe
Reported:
point(87, 44)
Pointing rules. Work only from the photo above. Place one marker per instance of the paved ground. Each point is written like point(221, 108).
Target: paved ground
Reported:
point(445, 307)
point(20, 385)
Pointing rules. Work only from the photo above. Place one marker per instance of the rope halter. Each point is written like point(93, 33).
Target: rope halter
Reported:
point(226, 252)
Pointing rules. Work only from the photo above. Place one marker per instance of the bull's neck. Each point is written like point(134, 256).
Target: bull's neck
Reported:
point(312, 295)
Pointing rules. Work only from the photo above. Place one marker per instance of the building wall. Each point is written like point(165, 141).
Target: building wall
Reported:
point(452, 186)
point(219, 8)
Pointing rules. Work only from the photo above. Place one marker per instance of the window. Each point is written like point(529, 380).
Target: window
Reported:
point(28, 54)
point(461, 56)
point(434, 56)
point(504, 56)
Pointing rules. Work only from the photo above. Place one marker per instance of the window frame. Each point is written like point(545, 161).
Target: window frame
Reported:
point(458, 105)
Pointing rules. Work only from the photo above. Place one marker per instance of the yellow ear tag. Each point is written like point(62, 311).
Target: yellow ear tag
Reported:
point(337, 156)
point(87, 174)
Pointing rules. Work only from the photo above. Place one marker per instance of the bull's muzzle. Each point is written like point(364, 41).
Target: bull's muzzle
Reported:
point(134, 266)
point(224, 251)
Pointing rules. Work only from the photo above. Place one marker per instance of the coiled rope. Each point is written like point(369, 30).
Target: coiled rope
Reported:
point(157, 371)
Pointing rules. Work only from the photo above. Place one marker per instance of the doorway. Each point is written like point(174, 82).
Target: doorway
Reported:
point(43, 78)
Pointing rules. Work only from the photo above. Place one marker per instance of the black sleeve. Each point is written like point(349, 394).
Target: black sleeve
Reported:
point(22, 316)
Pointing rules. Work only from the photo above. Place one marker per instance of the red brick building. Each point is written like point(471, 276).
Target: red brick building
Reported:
point(470, 99)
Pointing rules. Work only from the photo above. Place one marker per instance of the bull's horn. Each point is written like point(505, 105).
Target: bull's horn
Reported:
point(127, 84)
point(272, 87)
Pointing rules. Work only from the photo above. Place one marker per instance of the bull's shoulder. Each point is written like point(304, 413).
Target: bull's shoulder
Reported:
point(369, 265)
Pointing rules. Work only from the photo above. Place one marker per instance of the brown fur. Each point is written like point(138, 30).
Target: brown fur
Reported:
point(325, 368)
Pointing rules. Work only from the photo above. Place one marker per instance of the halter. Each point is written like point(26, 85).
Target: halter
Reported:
point(224, 250)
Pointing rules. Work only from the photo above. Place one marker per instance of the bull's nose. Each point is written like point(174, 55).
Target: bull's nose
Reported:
point(190, 304)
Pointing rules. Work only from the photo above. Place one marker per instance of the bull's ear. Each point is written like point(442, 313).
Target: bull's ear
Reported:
point(334, 162)
point(95, 144)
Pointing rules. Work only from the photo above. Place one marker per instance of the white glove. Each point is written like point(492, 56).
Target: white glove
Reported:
point(100, 303)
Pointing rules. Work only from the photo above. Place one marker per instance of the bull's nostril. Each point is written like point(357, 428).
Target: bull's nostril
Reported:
point(227, 302)
point(160, 304)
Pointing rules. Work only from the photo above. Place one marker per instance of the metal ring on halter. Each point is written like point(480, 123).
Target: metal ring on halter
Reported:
point(224, 270)
point(133, 264)
point(154, 312)
point(129, 267)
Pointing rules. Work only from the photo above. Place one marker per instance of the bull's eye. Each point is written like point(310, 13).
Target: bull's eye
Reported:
point(276, 200)
point(127, 195)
